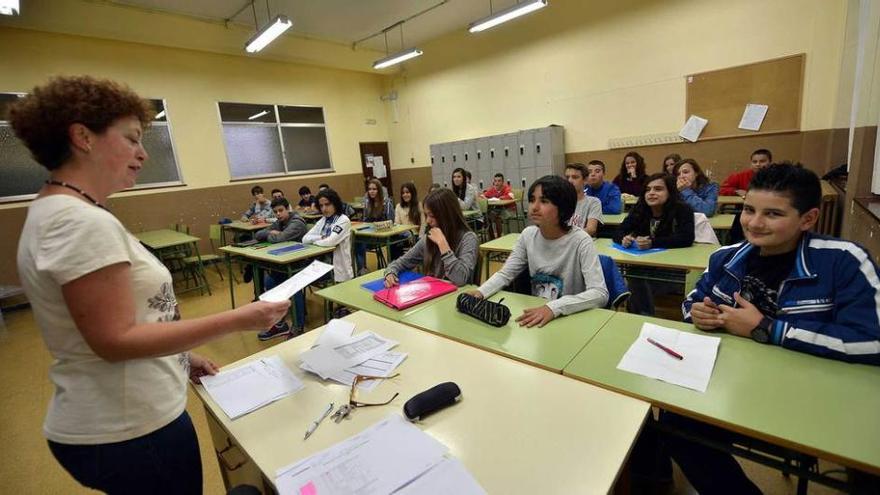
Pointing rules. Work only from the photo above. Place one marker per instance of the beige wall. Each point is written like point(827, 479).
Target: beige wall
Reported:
point(607, 69)
point(192, 82)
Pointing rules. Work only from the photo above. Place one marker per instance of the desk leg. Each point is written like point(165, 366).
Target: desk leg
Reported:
point(201, 269)
point(231, 280)
point(486, 277)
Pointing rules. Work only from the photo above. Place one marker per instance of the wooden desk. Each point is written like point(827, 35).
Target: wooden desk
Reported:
point(813, 405)
point(551, 347)
point(350, 294)
point(166, 240)
point(518, 429)
point(378, 238)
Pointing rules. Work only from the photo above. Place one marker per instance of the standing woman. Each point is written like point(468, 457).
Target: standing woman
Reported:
point(105, 305)
point(669, 163)
point(449, 251)
point(407, 212)
point(695, 188)
point(377, 208)
point(631, 179)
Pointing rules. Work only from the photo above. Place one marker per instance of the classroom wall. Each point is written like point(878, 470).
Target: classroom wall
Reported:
point(607, 69)
point(191, 83)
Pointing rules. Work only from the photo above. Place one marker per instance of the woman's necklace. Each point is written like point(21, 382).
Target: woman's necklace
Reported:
point(84, 194)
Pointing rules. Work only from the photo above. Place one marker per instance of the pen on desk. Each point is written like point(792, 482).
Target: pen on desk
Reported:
point(666, 349)
point(315, 423)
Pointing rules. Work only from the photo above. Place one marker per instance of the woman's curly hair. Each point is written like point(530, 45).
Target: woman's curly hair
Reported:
point(42, 118)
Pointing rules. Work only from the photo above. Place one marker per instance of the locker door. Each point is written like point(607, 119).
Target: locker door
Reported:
point(510, 150)
point(469, 156)
point(496, 154)
point(542, 147)
point(526, 148)
point(542, 171)
point(457, 154)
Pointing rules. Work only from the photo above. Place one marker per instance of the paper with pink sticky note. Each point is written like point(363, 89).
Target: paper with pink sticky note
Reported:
point(308, 489)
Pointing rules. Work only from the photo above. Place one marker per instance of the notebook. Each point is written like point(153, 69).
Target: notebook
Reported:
point(415, 292)
point(286, 249)
point(403, 278)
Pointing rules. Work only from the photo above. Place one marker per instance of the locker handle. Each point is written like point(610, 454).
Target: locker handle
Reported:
point(522, 149)
point(465, 157)
point(506, 152)
point(432, 160)
point(453, 158)
point(492, 153)
point(443, 159)
point(478, 155)
point(538, 148)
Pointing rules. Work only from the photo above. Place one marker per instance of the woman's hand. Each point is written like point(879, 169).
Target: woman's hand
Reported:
point(200, 366)
point(683, 183)
point(643, 242)
point(627, 241)
point(391, 280)
point(475, 293)
point(536, 316)
point(261, 315)
point(436, 236)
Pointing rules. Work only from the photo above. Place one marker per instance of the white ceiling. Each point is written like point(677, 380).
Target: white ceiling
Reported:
point(343, 21)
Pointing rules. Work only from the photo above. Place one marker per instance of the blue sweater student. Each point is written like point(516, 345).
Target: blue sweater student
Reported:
point(606, 192)
point(782, 286)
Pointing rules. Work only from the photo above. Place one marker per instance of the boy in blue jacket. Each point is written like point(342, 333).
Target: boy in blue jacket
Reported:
point(782, 286)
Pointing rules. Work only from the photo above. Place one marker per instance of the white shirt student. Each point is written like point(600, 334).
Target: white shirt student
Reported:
point(333, 229)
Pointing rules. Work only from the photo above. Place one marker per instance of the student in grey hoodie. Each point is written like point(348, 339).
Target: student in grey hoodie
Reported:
point(562, 262)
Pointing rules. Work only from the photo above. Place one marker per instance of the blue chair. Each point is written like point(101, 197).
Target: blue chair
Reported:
point(618, 292)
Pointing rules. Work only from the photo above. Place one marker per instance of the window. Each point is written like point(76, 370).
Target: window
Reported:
point(21, 177)
point(266, 140)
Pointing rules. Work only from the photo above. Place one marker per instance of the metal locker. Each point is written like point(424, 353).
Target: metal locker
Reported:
point(510, 150)
point(526, 148)
point(457, 154)
point(481, 155)
point(445, 155)
point(542, 147)
point(542, 171)
point(496, 154)
point(469, 156)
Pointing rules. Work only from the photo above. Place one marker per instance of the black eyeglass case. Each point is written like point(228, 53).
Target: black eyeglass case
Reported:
point(431, 401)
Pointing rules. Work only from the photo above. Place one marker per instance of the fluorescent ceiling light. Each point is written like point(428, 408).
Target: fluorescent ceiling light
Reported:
point(397, 58)
point(258, 115)
point(507, 14)
point(9, 7)
point(159, 115)
point(267, 34)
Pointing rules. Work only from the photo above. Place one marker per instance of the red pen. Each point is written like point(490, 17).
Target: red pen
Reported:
point(666, 349)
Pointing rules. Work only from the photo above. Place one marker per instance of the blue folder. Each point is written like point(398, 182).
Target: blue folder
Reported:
point(380, 284)
point(287, 249)
point(635, 251)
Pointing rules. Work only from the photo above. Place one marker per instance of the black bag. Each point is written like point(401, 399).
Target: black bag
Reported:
point(493, 313)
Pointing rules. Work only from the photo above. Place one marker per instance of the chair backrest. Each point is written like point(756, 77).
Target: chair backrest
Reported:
point(703, 231)
point(215, 232)
point(518, 194)
point(618, 292)
point(483, 205)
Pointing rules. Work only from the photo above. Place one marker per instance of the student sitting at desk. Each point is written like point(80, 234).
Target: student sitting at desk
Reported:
point(449, 250)
point(658, 220)
point(695, 188)
point(669, 163)
point(598, 187)
point(588, 212)
point(377, 208)
point(409, 212)
point(631, 178)
point(288, 226)
point(260, 210)
point(333, 229)
point(277, 194)
point(561, 261)
point(306, 200)
point(737, 182)
point(499, 190)
point(783, 286)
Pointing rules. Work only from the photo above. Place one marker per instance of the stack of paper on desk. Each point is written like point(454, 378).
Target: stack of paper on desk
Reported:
point(246, 388)
point(694, 371)
point(390, 456)
point(339, 356)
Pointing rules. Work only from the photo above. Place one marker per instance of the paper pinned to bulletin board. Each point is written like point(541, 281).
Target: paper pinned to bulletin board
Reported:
point(379, 167)
point(368, 160)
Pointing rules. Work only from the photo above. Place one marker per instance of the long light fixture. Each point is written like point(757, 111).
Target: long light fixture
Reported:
point(159, 115)
point(268, 34)
point(258, 115)
point(502, 16)
point(397, 58)
point(9, 7)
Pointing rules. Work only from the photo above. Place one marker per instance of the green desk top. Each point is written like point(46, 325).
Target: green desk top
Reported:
point(551, 347)
point(394, 230)
point(260, 252)
point(819, 406)
point(471, 213)
point(246, 226)
point(503, 244)
point(164, 238)
point(722, 221)
point(613, 220)
point(689, 258)
point(729, 200)
point(352, 295)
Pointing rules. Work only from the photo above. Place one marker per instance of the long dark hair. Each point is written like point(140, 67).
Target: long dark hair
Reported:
point(375, 208)
point(415, 214)
point(642, 214)
point(675, 159)
point(444, 207)
point(459, 190)
point(701, 179)
point(640, 166)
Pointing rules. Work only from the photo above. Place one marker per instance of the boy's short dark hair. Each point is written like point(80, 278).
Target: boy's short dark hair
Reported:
point(304, 190)
point(331, 196)
point(599, 163)
point(280, 202)
point(764, 152)
point(323, 186)
point(801, 185)
point(580, 167)
point(561, 193)
point(277, 191)
point(256, 190)
point(499, 174)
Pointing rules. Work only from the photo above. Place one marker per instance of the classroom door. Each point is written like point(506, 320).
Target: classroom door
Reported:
point(375, 162)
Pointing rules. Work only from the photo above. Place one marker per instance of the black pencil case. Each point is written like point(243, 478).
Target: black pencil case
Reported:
point(493, 313)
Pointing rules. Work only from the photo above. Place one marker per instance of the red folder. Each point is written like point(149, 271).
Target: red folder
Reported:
point(414, 292)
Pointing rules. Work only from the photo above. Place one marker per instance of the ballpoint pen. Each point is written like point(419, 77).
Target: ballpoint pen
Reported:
point(315, 423)
point(666, 349)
